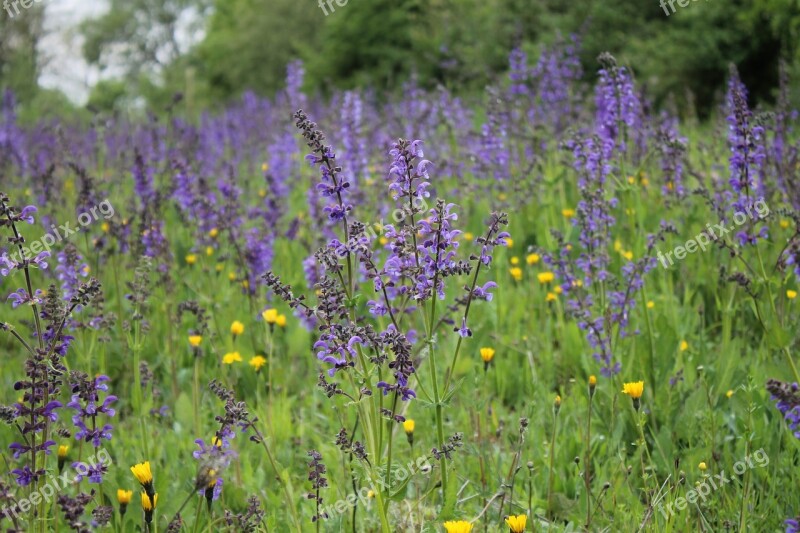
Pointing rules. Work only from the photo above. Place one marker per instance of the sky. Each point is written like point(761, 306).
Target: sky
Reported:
point(64, 67)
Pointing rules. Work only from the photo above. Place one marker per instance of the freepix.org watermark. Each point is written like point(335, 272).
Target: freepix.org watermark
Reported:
point(56, 483)
point(715, 482)
point(8, 5)
point(326, 5)
point(401, 474)
point(671, 4)
point(57, 234)
point(713, 232)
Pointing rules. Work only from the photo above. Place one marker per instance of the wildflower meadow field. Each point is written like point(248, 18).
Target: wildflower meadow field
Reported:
point(547, 307)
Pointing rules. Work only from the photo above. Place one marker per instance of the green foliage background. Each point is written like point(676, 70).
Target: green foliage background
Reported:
point(240, 45)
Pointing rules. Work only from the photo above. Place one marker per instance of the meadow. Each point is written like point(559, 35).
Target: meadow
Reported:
point(549, 307)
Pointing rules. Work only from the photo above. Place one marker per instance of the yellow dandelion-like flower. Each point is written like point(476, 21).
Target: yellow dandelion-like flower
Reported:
point(232, 276)
point(545, 277)
point(502, 197)
point(209, 251)
point(237, 328)
point(487, 354)
point(62, 451)
point(262, 193)
point(702, 466)
point(195, 340)
point(457, 526)
point(257, 362)
point(784, 224)
point(231, 357)
point(270, 316)
point(370, 494)
point(408, 426)
point(683, 346)
point(517, 523)
point(219, 267)
point(516, 273)
point(509, 242)
point(469, 236)
point(145, 478)
point(264, 167)
point(729, 393)
point(631, 180)
point(551, 297)
point(213, 233)
point(532, 259)
point(634, 389)
point(383, 240)
point(645, 182)
point(568, 213)
point(105, 227)
point(651, 304)
point(558, 289)
point(281, 321)
point(791, 294)
point(627, 255)
point(124, 496)
point(617, 246)
point(148, 506)
point(515, 261)
point(191, 259)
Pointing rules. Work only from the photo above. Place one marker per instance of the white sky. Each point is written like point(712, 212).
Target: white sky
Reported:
point(64, 67)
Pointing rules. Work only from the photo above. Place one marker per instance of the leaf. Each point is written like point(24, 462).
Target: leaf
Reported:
point(184, 411)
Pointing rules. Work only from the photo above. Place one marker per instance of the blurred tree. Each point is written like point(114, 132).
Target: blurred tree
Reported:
point(249, 43)
point(20, 61)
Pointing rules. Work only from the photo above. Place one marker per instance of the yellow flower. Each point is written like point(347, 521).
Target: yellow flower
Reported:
point(257, 362)
point(281, 321)
point(550, 297)
point(383, 240)
point(213, 233)
point(631, 180)
point(729, 393)
point(517, 523)
point(684, 346)
point(509, 242)
point(791, 294)
point(568, 213)
point(487, 354)
point(592, 381)
point(195, 340)
point(270, 316)
point(191, 259)
point(784, 224)
point(262, 193)
point(702, 466)
point(237, 328)
point(219, 267)
point(62, 451)
point(457, 526)
point(408, 426)
point(532, 259)
point(577, 283)
point(545, 277)
point(516, 273)
point(231, 357)
point(469, 236)
point(264, 167)
point(148, 505)
point(627, 255)
point(645, 182)
point(558, 289)
point(145, 478)
point(105, 227)
point(634, 390)
point(232, 276)
point(650, 304)
point(515, 261)
point(502, 196)
point(557, 402)
point(209, 251)
point(124, 496)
